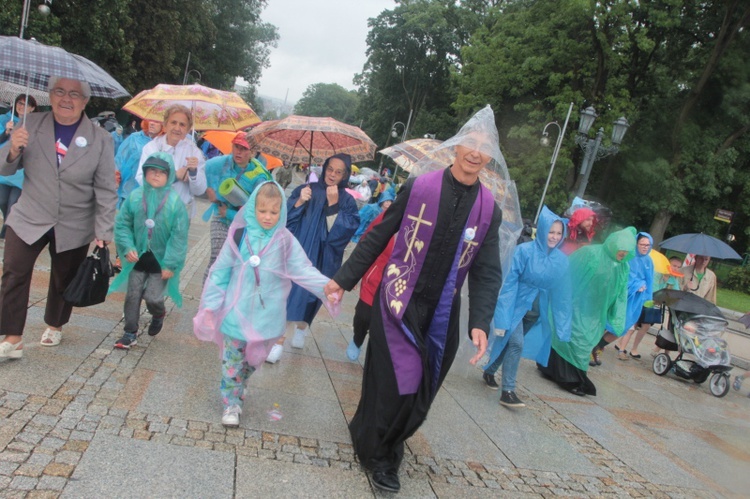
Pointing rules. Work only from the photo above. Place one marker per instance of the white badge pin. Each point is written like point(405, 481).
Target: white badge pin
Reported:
point(150, 224)
point(81, 142)
point(469, 234)
point(254, 261)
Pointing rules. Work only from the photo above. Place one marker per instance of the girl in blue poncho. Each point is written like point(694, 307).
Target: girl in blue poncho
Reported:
point(370, 212)
point(244, 298)
point(151, 232)
point(640, 291)
point(539, 272)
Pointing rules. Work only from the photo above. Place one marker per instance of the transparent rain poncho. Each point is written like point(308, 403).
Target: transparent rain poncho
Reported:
point(600, 293)
point(167, 238)
point(700, 335)
point(245, 294)
point(480, 133)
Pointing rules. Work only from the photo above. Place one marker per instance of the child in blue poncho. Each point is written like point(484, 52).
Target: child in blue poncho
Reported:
point(243, 307)
point(370, 212)
point(151, 232)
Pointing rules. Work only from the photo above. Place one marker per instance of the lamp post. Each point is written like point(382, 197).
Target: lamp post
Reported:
point(555, 152)
point(592, 148)
point(43, 8)
point(394, 134)
point(197, 80)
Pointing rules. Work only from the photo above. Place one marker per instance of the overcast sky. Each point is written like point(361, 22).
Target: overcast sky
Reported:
point(320, 41)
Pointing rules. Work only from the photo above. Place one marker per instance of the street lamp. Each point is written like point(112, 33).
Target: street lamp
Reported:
point(197, 80)
point(592, 148)
point(43, 8)
point(394, 134)
point(545, 142)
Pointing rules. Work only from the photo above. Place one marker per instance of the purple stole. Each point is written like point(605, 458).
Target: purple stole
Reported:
point(402, 271)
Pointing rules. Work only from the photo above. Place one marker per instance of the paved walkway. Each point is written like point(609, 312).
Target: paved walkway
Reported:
point(84, 420)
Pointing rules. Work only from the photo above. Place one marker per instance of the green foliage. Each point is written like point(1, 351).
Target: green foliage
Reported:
point(328, 100)
point(739, 279)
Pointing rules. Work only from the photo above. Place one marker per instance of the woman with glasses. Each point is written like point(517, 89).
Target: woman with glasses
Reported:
point(68, 201)
point(640, 290)
point(323, 217)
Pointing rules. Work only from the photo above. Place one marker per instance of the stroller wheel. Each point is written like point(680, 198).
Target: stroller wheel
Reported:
point(719, 384)
point(662, 364)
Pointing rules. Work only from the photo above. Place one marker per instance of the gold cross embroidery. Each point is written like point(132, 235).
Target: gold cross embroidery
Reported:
point(419, 221)
point(464, 256)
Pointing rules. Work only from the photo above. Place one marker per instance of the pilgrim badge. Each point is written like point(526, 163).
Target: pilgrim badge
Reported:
point(150, 224)
point(469, 234)
point(254, 261)
point(81, 142)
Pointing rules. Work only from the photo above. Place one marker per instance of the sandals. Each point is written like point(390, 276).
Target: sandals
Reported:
point(51, 338)
point(636, 356)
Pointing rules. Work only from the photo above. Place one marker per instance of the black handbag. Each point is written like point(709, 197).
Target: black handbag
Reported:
point(91, 283)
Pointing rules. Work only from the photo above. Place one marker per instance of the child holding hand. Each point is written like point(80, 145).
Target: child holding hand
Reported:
point(243, 307)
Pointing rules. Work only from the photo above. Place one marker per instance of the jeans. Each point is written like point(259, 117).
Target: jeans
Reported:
point(510, 358)
point(150, 288)
point(8, 197)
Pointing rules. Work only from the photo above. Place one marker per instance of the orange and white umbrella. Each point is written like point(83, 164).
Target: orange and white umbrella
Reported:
point(212, 109)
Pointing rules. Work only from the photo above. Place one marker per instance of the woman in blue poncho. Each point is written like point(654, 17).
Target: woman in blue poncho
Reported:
point(539, 272)
point(640, 290)
point(323, 217)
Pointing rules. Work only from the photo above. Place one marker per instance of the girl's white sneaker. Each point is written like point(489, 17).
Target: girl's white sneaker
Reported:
point(231, 417)
point(275, 354)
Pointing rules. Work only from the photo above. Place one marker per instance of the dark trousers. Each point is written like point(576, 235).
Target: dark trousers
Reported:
point(18, 267)
point(361, 322)
point(8, 197)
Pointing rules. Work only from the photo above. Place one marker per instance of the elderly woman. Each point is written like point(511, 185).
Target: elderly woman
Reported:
point(10, 186)
point(188, 158)
point(65, 209)
point(323, 217)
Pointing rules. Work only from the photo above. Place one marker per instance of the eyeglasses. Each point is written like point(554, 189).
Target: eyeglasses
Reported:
point(73, 94)
point(338, 173)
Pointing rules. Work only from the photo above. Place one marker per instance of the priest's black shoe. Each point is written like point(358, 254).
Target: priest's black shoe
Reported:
point(577, 391)
point(386, 480)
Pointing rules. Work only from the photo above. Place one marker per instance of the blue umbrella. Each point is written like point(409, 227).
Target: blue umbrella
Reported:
point(701, 244)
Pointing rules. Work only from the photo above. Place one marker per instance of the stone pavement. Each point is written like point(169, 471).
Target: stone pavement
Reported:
point(85, 420)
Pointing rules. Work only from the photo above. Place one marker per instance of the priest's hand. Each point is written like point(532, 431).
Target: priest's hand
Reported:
point(332, 193)
point(479, 338)
point(333, 289)
point(304, 196)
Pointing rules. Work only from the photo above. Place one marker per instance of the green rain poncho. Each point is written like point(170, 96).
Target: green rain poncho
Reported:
point(600, 295)
point(168, 241)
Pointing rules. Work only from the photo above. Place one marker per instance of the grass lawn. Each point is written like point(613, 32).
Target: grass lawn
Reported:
point(733, 300)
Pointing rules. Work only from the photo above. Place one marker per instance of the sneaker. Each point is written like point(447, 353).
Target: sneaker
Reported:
point(737, 383)
point(623, 355)
point(275, 354)
point(510, 399)
point(352, 351)
point(156, 324)
point(298, 341)
point(231, 417)
point(489, 380)
point(10, 351)
point(128, 340)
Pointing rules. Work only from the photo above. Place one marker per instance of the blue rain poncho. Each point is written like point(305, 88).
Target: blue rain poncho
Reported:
point(243, 304)
point(15, 180)
point(599, 284)
point(641, 274)
point(126, 160)
point(220, 168)
point(324, 247)
point(370, 212)
point(539, 271)
point(169, 236)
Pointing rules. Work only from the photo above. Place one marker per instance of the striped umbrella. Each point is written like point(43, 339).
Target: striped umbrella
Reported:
point(30, 64)
point(306, 139)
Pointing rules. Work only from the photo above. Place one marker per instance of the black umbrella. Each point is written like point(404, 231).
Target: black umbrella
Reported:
point(700, 244)
point(682, 301)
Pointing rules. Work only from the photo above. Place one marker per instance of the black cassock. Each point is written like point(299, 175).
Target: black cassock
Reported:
point(385, 419)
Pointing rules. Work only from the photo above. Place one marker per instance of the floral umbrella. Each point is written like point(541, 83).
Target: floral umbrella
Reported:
point(212, 109)
point(305, 139)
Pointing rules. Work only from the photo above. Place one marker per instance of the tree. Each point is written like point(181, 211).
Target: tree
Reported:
point(328, 99)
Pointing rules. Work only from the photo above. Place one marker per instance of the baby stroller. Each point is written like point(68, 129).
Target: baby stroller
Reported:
point(695, 326)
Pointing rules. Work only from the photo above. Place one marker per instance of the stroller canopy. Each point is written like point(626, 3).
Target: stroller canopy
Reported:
point(682, 301)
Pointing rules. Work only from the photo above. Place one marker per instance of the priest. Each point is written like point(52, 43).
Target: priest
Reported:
point(447, 228)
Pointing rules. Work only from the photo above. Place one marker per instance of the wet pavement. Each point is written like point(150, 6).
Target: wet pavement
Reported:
point(85, 420)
